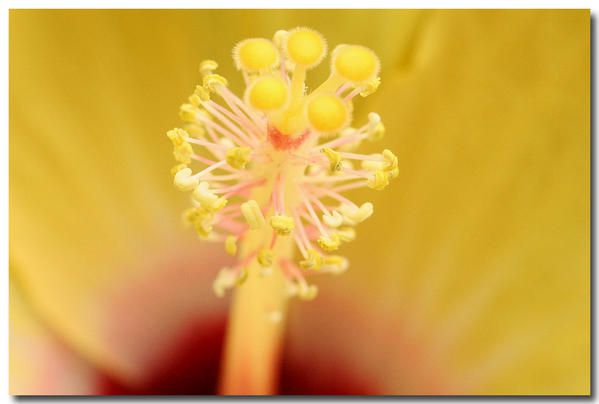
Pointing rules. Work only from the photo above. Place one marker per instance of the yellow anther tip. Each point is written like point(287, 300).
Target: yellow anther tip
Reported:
point(183, 153)
point(178, 168)
point(313, 260)
point(354, 214)
point(256, 54)
point(265, 258)
point(231, 245)
point(253, 214)
point(202, 93)
point(177, 136)
point(335, 162)
point(379, 180)
point(328, 113)
point(242, 277)
point(305, 47)
point(335, 264)
point(207, 199)
point(227, 278)
point(188, 112)
point(391, 161)
point(201, 220)
point(329, 243)
point(211, 81)
point(371, 87)
point(282, 225)
point(238, 157)
point(184, 179)
point(355, 63)
point(267, 93)
point(333, 219)
point(307, 292)
point(346, 234)
point(208, 67)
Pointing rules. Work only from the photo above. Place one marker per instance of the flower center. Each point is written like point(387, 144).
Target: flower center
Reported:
point(281, 141)
point(277, 161)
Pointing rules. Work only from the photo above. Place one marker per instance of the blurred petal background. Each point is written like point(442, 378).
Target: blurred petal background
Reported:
point(472, 277)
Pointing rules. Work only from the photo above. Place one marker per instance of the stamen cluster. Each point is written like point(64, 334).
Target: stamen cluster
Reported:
point(275, 163)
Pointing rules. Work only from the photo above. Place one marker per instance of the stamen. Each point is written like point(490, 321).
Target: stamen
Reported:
point(252, 214)
point(231, 245)
point(185, 181)
point(282, 224)
point(276, 140)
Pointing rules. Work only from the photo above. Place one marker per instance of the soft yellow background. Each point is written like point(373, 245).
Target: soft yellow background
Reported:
point(472, 276)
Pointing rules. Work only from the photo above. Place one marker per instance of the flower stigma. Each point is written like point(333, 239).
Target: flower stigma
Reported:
point(276, 162)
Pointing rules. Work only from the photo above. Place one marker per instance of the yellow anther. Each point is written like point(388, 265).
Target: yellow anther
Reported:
point(329, 243)
point(188, 113)
point(231, 245)
point(255, 55)
point(203, 228)
point(201, 220)
point(212, 81)
point(184, 180)
point(242, 277)
point(238, 157)
point(313, 260)
point(375, 129)
point(265, 258)
point(371, 87)
point(183, 153)
point(268, 93)
point(374, 165)
point(225, 279)
point(218, 204)
point(354, 214)
point(177, 136)
point(379, 180)
point(355, 63)
point(335, 264)
point(328, 113)
point(208, 67)
point(307, 292)
point(346, 234)
point(334, 158)
point(196, 131)
point(194, 100)
point(305, 47)
point(253, 214)
point(202, 93)
point(207, 199)
point(177, 168)
point(283, 225)
point(391, 162)
point(332, 219)
point(189, 215)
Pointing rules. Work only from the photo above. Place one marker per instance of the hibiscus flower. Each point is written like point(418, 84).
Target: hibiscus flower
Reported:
point(470, 277)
